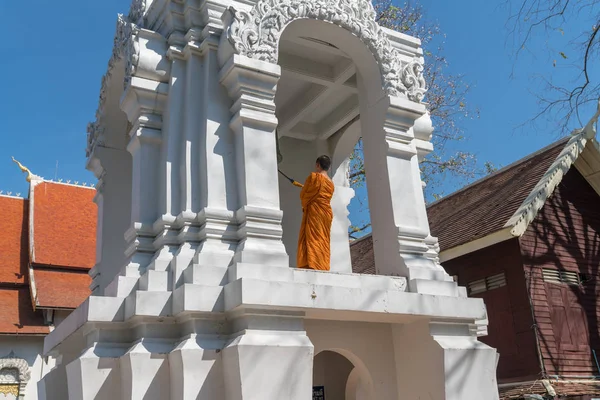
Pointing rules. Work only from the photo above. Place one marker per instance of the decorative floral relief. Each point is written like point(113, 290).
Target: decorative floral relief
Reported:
point(256, 34)
point(9, 390)
point(9, 375)
point(125, 46)
point(9, 363)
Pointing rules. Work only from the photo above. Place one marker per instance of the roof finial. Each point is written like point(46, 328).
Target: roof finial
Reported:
point(24, 169)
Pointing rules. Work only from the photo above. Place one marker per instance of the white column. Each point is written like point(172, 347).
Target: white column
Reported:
point(402, 242)
point(95, 374)
point(443, 361)
point(196, 369)
point(340, 244)
point(251, 85)
point(215, 169)
point(271, 358)
point(145, 373)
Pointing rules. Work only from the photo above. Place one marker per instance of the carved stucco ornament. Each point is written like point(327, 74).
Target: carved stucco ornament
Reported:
point(136, 12)
point(256, 34)
point(14, 375)
point(12, 362)
point(125, 47)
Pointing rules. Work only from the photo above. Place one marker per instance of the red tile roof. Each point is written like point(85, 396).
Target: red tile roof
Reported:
point(17, 314)
point(60, 288)
point(13, 240)
point(457, 218)
point(64, 225)
point(63, 240)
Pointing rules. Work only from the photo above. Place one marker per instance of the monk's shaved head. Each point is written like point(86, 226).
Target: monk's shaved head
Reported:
point(324, 162)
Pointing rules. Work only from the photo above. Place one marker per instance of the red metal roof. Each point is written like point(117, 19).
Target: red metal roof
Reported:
point(13, 240)
point(60, 289)
point(17, 313)
point(64, 225)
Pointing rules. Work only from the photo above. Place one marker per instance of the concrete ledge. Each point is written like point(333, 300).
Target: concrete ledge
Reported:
point(93, 309)
point(314, 299)
point(326, 278)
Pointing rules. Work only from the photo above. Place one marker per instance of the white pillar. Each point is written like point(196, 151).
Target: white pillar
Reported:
point(402, 242)
point(196, 369)
point(145, 373)
point(216, 169)
point(95, 374)
point(251, 85)
point(271, 358)
point(340, 244)
point(443, 361)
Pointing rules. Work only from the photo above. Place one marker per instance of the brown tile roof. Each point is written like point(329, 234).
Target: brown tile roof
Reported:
point(13, 240)
point(476, 210)
point(17, 314)
point(562, 388)
point(362, 256)
point(60, 288)
point(64, 225)
point(485, 206)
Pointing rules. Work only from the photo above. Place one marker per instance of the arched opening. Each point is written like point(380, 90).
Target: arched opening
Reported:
point(337, 378)
point(327, 76)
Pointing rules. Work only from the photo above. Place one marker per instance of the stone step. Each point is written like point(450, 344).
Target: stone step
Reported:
point(198, 298)
point(121, 286)
point(205, 275)
point(150, 304)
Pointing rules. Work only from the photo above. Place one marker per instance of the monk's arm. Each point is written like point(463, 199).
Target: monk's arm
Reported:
point(309, 190)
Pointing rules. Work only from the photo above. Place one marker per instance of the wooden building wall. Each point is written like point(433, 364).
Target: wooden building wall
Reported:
point(509, 311)
point(565, 236)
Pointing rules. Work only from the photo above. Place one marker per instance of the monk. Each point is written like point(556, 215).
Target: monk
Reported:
point(315, 231)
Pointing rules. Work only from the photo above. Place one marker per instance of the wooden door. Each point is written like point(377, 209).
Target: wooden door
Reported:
point(569, 321)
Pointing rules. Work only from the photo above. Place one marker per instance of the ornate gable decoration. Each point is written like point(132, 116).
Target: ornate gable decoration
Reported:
point(125, 46)
point(256, 34)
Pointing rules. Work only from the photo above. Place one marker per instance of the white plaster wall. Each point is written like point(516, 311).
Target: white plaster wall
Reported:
point(28, 348)
point(59, 316)
point(367, 345)
point(116, 214)
point(332, 370)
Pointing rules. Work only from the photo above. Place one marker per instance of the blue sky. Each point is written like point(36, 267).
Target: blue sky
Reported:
point(52, 68)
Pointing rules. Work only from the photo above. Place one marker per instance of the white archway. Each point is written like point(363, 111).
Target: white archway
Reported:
point(256, 34)
point(390, 89)
point(349, 378)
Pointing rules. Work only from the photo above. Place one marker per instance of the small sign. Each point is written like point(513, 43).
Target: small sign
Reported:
point(318, 392)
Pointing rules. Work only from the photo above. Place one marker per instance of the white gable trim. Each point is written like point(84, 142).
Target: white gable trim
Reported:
point(478, 244)
point(528, 210)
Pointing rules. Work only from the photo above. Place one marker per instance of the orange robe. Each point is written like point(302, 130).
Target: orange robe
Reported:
point(315, 231)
